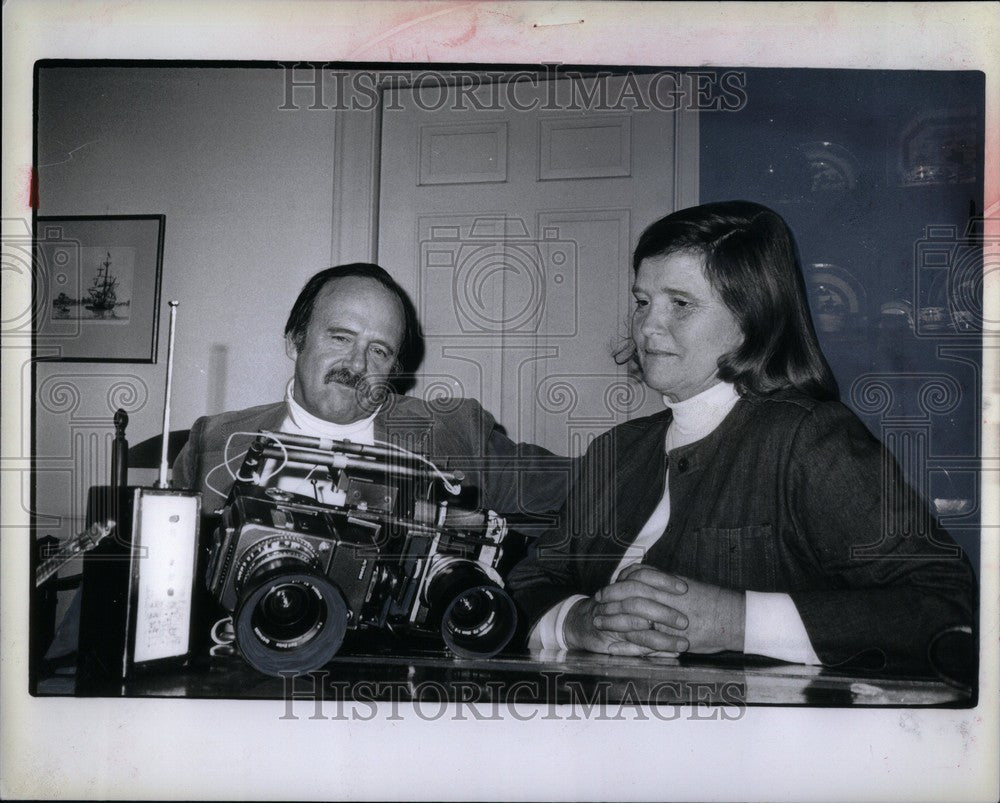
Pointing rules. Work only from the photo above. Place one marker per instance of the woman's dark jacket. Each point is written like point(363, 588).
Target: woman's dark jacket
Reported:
point(788, 494)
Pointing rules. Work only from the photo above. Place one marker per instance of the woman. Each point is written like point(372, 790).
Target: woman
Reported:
point(749, 515)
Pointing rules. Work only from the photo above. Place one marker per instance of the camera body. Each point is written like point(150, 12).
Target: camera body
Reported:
point(297, 575)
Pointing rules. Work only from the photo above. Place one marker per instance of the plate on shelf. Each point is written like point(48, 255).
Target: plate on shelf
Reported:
point(837, 298)
point(832, 167)
point(940, 146)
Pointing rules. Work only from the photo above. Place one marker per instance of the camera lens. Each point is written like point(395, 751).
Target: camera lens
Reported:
point(289, 613)
point(471, 611)
point(290, 622)
point(479, 622)
point(477, 616)
point(290, 617)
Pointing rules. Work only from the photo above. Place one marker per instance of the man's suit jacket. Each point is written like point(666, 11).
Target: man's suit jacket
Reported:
point(520, 481)
point(787, 494)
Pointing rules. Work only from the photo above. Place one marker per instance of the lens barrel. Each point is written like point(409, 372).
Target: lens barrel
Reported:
point(290, 616)
point(477, 617)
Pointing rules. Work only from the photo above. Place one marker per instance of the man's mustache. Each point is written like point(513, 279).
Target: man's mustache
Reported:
point(344, 376)
point(370, 391)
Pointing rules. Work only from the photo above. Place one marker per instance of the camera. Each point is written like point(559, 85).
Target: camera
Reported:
point(381, 554)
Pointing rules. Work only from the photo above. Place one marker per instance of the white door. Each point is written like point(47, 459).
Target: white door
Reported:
point(512, 232)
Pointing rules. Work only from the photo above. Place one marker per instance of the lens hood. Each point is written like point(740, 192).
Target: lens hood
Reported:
point(290, 622)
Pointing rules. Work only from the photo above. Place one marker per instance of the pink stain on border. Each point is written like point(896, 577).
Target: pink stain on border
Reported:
point(32, 188)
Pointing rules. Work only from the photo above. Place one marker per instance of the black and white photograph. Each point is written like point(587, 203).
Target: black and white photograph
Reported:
point(436, 403)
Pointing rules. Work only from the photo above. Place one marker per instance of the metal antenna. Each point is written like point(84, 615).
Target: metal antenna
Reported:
point(162, 480)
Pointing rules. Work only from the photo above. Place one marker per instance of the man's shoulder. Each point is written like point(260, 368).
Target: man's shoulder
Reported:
point(453, 425)
point(430, 410)
point(249, 418)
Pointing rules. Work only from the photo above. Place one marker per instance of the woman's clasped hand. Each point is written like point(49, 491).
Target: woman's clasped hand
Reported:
point(647, 611)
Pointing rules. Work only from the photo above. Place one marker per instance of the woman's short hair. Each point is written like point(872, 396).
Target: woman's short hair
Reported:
point(750, 260)
point(298, 319)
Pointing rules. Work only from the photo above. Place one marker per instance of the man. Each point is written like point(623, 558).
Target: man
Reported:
point(351, 330)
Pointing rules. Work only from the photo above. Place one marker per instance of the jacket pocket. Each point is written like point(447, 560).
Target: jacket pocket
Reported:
point(740, 557)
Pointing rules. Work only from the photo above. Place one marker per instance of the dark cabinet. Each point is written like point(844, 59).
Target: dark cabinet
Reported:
point(880, 176)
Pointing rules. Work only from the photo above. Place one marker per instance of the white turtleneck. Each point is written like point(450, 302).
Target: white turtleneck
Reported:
point(773, 626)
point(301, 479)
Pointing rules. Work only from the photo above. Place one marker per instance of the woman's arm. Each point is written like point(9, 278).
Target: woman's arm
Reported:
point(893, 579)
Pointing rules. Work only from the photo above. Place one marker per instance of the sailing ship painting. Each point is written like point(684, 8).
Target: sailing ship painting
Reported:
point(102, 291)
point(104, 299)
point(99, 283)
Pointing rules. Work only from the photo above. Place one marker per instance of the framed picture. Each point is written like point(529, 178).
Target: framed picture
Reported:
point(97, 287)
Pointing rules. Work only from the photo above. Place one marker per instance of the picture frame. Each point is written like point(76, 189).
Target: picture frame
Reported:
point(97, 289)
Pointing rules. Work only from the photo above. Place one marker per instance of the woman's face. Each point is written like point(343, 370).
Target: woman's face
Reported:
point(680, 326)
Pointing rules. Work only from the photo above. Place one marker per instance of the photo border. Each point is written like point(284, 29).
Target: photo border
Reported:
point(780, 754)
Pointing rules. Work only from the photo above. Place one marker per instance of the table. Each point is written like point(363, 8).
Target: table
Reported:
point(380, 671)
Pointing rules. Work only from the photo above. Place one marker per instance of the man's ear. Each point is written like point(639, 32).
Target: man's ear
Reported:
point(290, 348)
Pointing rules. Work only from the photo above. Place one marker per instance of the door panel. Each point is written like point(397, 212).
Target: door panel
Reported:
point(512, 232)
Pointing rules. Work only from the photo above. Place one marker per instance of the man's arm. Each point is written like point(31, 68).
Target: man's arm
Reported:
point(520, 481)
point(550, 574)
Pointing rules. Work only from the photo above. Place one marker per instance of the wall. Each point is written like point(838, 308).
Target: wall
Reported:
point(247, 191)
